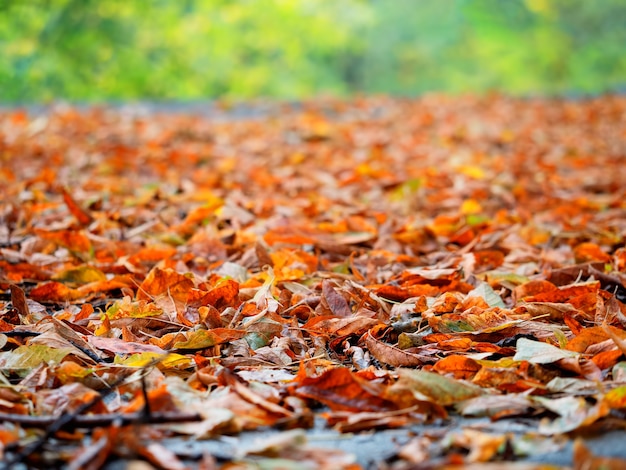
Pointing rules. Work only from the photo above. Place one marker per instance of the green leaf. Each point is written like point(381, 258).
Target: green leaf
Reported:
point(436, 388)
point(126, 308)
point(260, 333)
point(476, 219)
point(256, 340)
point(81, 275)
point(485, 291)
point(26, 358)
point(616, 398)
point(199, 339)
point(455, 326)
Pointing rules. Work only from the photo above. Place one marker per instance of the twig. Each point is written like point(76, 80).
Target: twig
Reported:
point(97, 420)
point(65, 419)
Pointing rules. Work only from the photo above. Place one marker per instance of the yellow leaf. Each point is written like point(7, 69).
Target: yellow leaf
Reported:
point(171, 361)
point(471, 206)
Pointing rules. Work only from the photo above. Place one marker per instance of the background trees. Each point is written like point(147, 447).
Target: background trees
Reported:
point(191, 49)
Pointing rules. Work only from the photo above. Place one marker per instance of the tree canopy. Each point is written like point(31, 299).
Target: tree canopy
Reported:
point(86, 50)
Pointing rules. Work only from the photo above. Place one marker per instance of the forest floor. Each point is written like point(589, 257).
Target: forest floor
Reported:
point(429, 283)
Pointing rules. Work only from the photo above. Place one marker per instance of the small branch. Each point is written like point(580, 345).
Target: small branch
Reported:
point(66, 420)
point(98, 420)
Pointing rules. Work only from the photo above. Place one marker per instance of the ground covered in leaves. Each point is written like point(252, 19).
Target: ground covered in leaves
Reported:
point(369, 265)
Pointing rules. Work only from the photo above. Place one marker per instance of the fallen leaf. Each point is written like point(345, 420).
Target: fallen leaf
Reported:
point(201, 339)
point(342, 390)
point(25, 358)
point(436, 388)
point(461, 367)
point(336, 303)
point(540, 353)
point(80, 275)
point(574, 413)
point(391, 355)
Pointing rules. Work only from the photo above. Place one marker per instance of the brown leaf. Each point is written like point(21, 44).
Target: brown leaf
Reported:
point(391, 355)
point(345, 421)
point(18, 299)
point(337, 304)
point(115, 345)
point(330, 325)
point(553, 310)
point(161, 456)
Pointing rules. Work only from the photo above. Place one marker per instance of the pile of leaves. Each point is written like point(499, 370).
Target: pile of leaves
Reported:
point(376, 264)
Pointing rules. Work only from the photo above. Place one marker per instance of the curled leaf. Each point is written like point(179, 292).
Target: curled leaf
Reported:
point(390, 354)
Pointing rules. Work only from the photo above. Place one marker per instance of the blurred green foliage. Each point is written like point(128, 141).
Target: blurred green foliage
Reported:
point(90, 50)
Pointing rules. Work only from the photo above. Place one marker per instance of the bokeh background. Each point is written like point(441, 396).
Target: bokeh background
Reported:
point(109, 50)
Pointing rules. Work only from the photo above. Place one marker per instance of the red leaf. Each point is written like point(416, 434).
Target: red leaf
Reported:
point(342, 390)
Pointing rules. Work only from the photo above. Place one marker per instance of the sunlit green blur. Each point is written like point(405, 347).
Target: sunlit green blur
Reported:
point(107, 50)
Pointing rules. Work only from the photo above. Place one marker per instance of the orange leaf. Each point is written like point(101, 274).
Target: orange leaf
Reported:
point(488, 259)
point(563, 294)
point(118, 282)
point(54, 292)
point(532, 288)
point(589, 252)
point(76, 241)
point(224, 294)
point(455, 344)
point(159, 399)
point(288, 237)
point(18, 272)
point(81, 215)
point(460, 366)
point(618, 336)
point(586, 338)
point(151, 256)
point(400, 294)
point(165, 282)
point(341, 389)
point(607, 359)
point(502, 378)
point(572, 323)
